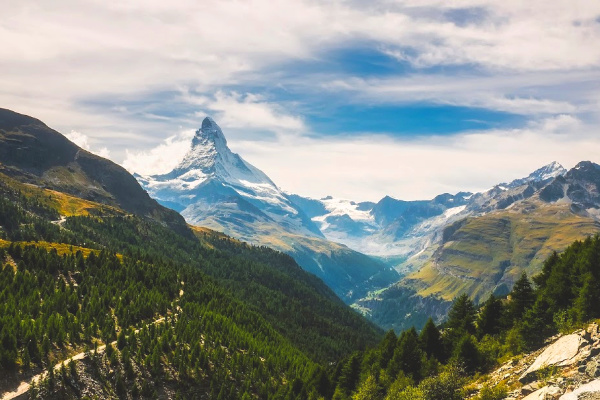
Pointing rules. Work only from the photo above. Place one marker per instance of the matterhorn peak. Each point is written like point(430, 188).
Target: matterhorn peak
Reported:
point(209, 132)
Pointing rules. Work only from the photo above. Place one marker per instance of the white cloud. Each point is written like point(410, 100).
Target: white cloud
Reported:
point(160, 159)
point(235, 110)
point(83, 140)
point(532, 93)
point(372, 166)
point(71, 63)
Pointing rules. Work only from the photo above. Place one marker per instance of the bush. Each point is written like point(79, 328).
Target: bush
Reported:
point(492, 393)
point(445, 386)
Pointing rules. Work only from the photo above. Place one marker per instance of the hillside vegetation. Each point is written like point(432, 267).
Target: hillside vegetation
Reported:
point(488, 253)
point(446, 362)
point(190, 315)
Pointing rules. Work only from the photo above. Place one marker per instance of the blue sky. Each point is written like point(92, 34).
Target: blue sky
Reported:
point(358, 100)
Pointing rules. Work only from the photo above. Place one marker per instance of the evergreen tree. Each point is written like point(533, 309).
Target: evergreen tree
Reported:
point(350, 374)
point(408, 356)
point(489, 320)
point(430, 339)
point(536, 324)
point(387, 347)
point(368, 390)
point(467, 354)
point(461, 318)
point(522, 298)
point(587, 305)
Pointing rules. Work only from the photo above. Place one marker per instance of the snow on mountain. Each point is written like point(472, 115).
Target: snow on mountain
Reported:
point(210, 172)
point(216, 188)
point(404, 229)
point(543, 174)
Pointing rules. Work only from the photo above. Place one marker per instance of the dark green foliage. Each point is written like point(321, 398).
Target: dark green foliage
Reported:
point(349, 375)
point(387, 347)
point(567, 292)
point(536, 324)
point(408, 356)
point(489, 320)
point(248, 319)
point(430, 339)
point(467, 354)
point(461, 317)
point(522, 298)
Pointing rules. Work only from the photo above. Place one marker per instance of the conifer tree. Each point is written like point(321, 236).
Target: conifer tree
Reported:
point(522, 298)
point(431, 341)
point(489, 320)
point(461, 318)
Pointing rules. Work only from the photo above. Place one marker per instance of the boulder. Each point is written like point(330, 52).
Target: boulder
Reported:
point(588, 391)
point(545, 393)
point(561, 353)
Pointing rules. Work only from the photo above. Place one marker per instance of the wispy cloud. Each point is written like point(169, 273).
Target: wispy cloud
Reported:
point(160, 159)
point(83, 141)
point(249, 110)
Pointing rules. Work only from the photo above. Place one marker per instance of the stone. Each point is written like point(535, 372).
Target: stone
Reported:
point(588, 391)
point(532, 387)
point(563, 352)
point(545, 393)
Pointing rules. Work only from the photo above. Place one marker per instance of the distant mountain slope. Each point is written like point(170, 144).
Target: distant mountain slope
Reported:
point(216, 188)
point(32, 152)
point(504, 231)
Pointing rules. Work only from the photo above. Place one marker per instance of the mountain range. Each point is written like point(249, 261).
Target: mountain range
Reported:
point(107, 294)
point(396, 261)
point(216, 188)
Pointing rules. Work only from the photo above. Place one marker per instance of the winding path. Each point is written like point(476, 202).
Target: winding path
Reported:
point(24, 386)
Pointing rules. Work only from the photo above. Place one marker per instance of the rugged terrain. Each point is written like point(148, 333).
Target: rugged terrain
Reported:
point(216, 188)
point(191, 310)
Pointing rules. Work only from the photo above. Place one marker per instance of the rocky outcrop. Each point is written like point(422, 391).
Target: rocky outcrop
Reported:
point(567, 368)
point(563, 352)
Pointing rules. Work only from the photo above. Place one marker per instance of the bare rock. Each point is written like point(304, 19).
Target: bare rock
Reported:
point(588, 391)
point(545, 393)
point(561, 353)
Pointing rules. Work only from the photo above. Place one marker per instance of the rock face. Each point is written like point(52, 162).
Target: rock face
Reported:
point(568, 368)
point(544, 393)
point(588, 391)
point(560, 353)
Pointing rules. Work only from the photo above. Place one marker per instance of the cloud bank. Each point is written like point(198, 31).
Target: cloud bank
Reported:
point(138, 76)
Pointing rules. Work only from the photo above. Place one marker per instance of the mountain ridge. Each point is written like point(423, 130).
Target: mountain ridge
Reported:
point(37, 154)
point(216, 188)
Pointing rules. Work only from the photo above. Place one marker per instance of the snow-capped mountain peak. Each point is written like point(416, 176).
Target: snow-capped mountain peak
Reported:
point(543, 174)
point(549, 171)
point(211, 173)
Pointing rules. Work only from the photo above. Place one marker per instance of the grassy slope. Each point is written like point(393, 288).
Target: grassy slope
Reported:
point(493, 250)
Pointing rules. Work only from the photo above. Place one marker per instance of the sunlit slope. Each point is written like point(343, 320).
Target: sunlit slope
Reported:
point(487, 254)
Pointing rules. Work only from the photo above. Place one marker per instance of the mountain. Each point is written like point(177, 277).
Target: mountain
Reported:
point(216, 188)
point(143, 309)
point(474, 243)
point(34, 153)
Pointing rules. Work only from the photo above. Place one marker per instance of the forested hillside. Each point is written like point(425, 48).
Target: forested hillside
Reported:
point(445, 363)
point(192, 316)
